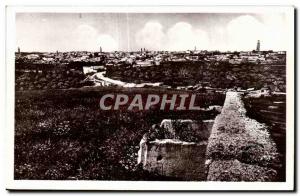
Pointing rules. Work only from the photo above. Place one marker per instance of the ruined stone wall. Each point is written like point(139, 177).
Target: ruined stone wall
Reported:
point(176, 158)
point(240, 148)
point(185, 160)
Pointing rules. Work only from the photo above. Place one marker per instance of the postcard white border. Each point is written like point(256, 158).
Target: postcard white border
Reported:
point(144, 185)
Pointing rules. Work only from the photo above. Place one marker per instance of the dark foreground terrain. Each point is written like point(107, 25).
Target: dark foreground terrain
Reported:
point(62, 134)
point(271, 110)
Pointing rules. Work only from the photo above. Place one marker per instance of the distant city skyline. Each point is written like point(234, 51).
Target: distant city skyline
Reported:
point(51, 32)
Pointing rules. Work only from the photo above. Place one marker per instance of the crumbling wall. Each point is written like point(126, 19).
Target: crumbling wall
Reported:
point(185, 160)
point(240, 148)
point(176, 158)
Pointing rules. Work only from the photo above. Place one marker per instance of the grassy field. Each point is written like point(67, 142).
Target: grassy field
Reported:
point(62, 134)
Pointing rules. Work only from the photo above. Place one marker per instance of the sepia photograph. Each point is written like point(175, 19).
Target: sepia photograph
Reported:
point(141, 98)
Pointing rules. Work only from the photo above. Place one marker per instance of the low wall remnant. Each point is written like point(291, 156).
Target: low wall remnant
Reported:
point(240, 148)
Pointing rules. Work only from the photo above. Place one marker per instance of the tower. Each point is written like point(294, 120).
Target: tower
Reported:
point(100, 49)
point(258, 46)
point(19, 51)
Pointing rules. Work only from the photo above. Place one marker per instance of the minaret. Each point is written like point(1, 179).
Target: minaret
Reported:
point(258, 46)
point(100, 49)
point(19, 50)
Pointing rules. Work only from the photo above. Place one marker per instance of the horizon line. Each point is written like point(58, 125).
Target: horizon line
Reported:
point(150, 51)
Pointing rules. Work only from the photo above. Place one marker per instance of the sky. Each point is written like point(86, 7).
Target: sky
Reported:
point(49, 32)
